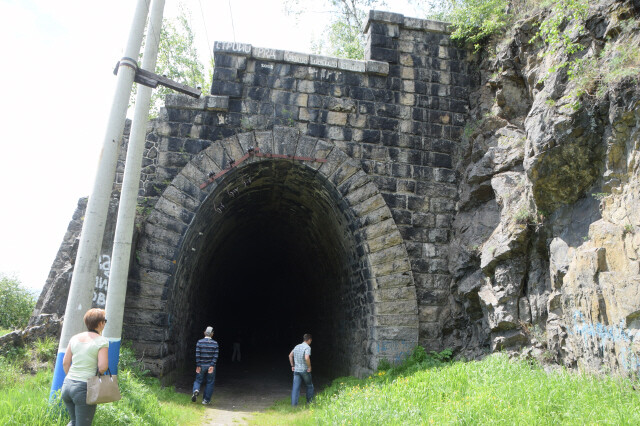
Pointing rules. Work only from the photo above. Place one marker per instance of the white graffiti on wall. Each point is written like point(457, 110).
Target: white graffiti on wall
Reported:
point(219, 208)
point(102, 281)
point(228, 46)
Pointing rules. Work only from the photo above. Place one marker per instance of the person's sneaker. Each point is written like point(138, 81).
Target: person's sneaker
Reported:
point(205, 402)
point(195, 395)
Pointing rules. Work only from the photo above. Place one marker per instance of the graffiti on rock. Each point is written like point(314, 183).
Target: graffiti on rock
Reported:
point(102, 281)
point(394, 350)
point(605, 336)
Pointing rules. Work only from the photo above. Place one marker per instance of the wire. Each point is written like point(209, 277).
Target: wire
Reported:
point(206, 32)
point(233, 28)
point(152, 29)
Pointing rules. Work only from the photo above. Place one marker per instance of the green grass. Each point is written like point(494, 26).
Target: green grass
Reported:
point(24, 397)
point(4, 331)
point(493, 391)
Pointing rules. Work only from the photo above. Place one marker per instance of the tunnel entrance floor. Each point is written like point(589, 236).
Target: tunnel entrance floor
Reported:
point(248, 387)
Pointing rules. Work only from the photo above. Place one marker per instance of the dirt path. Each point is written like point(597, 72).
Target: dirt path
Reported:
point(241, 390)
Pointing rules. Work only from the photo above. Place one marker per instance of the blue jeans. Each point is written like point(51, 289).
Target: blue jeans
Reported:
point(74, 395)
point(210, 380)
point(298, 378)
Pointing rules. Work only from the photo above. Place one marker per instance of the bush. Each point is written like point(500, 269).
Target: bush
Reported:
point(16, 303)
point(477, 20)
point(128, 361)
point(45, 350)
point(617, 62)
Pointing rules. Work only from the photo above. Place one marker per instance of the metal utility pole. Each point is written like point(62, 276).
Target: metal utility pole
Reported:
point(84, 274)
point(129, 195)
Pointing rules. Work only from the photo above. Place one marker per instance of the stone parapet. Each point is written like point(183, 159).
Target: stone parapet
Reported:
point(406, 22)
point(275, 55)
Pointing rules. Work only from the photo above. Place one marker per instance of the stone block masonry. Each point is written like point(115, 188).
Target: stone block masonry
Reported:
point(400, 113)
point(388, 127)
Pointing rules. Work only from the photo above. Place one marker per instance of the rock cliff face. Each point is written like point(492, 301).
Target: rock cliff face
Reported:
point(546, 239)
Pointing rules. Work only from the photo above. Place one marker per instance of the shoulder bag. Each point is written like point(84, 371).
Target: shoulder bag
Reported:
point(102, 388)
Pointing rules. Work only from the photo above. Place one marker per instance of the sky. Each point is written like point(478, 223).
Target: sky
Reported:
point(57, 86)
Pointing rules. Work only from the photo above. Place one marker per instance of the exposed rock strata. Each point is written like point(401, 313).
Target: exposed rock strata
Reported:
point(550, 264)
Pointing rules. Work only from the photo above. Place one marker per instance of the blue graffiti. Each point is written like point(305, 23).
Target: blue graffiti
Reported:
point(630, 360)
point(394, 350)
point(609, 334)
point(606, 333)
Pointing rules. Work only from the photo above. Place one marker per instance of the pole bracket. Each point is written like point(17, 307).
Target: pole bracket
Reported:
point(149, 79)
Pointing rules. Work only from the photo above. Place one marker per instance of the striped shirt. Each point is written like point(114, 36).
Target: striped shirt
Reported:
point(206, 352)
point(298, 357)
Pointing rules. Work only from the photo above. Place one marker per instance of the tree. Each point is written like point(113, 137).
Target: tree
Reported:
point(439, 10)
point(344, 37)
point(177, 59)
point(16, 303)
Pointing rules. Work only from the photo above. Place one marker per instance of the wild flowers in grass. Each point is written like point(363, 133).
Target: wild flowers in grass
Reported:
point(496, 390)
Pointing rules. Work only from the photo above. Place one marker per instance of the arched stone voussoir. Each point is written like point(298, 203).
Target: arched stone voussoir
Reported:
point(335, 158)
point(353, 182)
point(344, 171)
point(186, 206)
point(210, 160)
point(285, 140)
point(233, 148)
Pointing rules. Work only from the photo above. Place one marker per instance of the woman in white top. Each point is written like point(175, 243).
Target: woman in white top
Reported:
point(86, 353)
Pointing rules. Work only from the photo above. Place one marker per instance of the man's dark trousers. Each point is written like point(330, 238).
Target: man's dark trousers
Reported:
point(210, 381)
point(298, 378)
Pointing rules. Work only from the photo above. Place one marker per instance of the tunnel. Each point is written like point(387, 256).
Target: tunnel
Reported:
point(273, 253)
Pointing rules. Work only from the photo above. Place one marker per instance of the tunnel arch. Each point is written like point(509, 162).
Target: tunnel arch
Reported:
point(278, 222)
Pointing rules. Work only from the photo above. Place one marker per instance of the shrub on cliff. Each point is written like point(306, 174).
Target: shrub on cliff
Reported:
point(477, 20)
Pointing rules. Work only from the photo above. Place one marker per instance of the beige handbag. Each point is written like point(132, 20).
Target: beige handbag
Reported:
point(102, 388)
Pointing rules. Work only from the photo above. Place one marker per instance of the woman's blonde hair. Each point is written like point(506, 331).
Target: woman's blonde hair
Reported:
point(94, 317)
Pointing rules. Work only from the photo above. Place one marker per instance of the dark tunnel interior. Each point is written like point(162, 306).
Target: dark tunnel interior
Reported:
point(280, 259)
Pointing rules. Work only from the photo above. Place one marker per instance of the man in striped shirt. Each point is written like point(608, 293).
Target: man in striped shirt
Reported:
point(206, 359)
point(300, 360)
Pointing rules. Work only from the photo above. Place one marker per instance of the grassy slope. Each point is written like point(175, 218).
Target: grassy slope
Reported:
point(493, 391)
point(24, 400)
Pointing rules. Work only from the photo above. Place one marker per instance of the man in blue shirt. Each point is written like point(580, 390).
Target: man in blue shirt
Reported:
point(300, 360)
point(206, 359)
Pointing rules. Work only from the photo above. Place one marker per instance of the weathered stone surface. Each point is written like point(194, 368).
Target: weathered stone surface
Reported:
point(377, 67)
point(555, 269)
point(323, 61)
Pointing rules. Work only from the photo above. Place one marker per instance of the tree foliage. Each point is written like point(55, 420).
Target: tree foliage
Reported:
point(343, 36)
point(16, 303)
point(438, 10)
point(178, 59)
point(477, 20)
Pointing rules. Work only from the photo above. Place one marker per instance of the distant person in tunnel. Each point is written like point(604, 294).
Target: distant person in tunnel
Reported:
point(206, 359)
point(300, 360)
point(236, 355)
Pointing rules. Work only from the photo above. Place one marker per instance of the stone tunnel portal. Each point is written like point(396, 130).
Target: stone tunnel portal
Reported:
point(275, 247)
point(276, 256)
